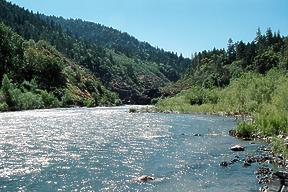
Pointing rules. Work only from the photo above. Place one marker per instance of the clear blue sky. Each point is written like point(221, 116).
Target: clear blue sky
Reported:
point(183, 26)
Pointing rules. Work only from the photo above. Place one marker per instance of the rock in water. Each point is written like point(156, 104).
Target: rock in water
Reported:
point(224, 164)
point(145, 178)
point(232, 133)
point(237, 148)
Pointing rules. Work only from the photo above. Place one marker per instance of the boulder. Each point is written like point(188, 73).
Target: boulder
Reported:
point(237, 148)
point(232, 133)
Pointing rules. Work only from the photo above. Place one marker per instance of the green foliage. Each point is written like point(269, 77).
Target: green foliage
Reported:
point(198, 96)
point(265, 61)
point(42, 76)
point(49, 99)
point(279, 147)
point(67, 99)
point(264, 97)
point(245, 130)
point(27, 100)
point(125, 44)
point(270, 121)
point(11, 51)
point(4, 106)
point(18, 100)
point(122, 63)
point(247, 93)
point(45, 64)
point(89, 103)
point(6, 87)
point(218, 67)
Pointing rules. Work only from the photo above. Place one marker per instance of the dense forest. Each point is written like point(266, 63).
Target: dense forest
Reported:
point(36, 75)
point(246, 79)
point(133, 69)
point(124, 43)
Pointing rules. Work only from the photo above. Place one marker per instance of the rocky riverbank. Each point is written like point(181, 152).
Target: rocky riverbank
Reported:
point(271, 171)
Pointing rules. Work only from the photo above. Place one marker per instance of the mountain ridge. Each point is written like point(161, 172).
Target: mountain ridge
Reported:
point(110, 65)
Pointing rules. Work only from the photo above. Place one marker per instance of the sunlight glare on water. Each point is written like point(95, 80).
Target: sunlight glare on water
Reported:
point(105, 149)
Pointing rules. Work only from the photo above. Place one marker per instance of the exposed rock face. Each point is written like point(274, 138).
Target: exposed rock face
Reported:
point(130, 95)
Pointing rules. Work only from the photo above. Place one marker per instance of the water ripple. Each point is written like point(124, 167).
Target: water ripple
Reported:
point(103, 149)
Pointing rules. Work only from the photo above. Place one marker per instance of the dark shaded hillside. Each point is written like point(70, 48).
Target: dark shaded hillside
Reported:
point(135, 78)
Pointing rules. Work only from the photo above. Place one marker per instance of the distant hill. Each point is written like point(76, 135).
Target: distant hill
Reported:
point(134, 69)
point(122, 42)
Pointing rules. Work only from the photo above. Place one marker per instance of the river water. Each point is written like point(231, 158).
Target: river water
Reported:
point(105, 149)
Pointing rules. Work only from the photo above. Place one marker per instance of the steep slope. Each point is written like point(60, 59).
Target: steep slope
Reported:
point(124, 43)
point(114, 67)
point(35, 75)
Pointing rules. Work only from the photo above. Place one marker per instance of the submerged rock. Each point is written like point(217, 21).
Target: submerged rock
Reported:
point(224, 164)
point(246, 164)
point(237, 148)
point(234, 160)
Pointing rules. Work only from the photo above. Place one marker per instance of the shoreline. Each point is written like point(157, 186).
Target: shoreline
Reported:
point(269, 179)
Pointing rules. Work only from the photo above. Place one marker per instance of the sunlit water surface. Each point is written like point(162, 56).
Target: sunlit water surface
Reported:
point(105, 149)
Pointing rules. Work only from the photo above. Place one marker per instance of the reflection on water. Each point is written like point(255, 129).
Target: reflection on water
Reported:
point(103, 149)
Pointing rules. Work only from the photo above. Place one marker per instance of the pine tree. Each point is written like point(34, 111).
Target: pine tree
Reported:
point(231, 52)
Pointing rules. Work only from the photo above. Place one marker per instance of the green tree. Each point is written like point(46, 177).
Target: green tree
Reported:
point(7, 86)
point(265, 61)
point(231, 51)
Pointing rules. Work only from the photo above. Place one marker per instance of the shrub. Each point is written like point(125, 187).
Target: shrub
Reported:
point(245, 130)
point(29, 100)
point(49, 99)
point(279, 147)
point(89, 102)
point(271, 121)
point(3, 106)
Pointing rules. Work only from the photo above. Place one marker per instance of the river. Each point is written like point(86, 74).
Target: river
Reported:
point(105, 149)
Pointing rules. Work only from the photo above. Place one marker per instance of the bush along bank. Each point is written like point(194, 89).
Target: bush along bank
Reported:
point(262, 101)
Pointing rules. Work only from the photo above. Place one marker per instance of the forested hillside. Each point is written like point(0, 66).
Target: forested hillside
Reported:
point(134, 71)
point(123, 43)
point(36, 75)
point(218, 67)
